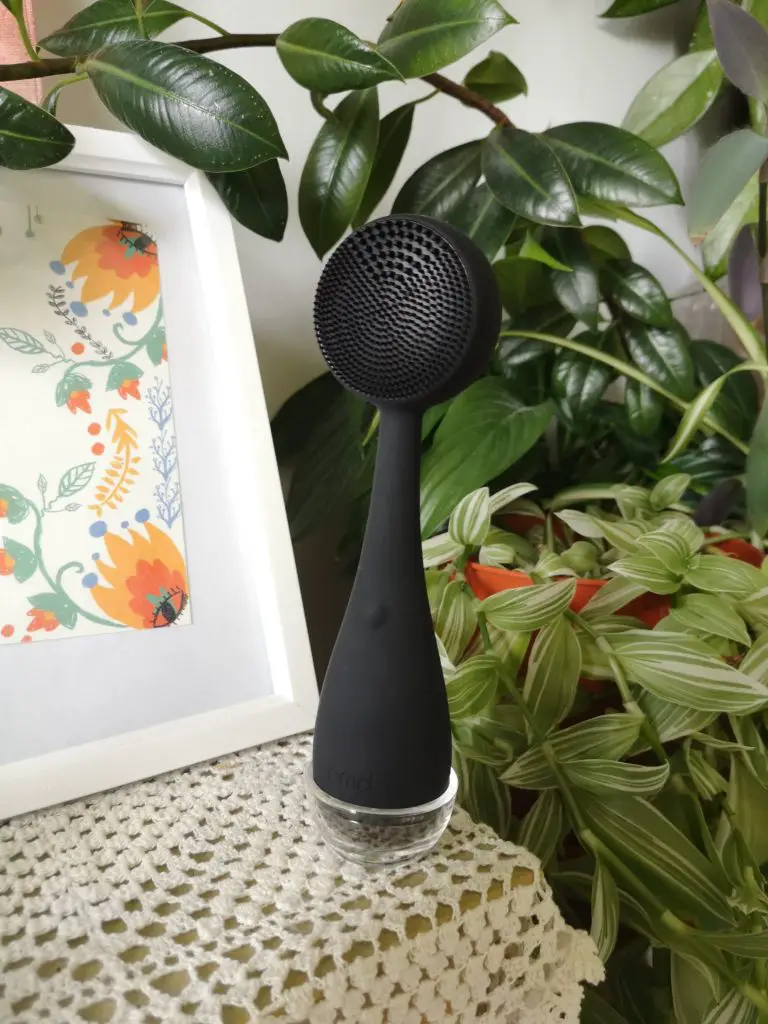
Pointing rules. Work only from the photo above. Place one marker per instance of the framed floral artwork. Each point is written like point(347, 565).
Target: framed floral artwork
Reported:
point(149, 608)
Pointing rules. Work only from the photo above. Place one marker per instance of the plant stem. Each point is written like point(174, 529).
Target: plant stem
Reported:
point(51, 98)
point(208, 23)
point(469, 98)
point(627, 370)
point(24, 34)
point(138, 6)
point(762, 244)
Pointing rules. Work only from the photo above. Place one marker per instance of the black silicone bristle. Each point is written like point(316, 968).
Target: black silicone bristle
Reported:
point(395, 310)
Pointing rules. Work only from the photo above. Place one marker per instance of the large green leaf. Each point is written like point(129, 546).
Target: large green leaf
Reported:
point(578, 383)
point(440, 185)
point(528, 608)
point(527, 177)
point(757, 477)
point(733, 1008)
point(456, 620)
point(473, 686)
point(647, 842)
point(631, 8)
point(737, 404)
point(725, 171)
point(111, 21)
point(664, 354)
point(673, 721)
point(675, 98)
point(485, 431)
point(484, 219)
point(742, 45)
point(644, 408)
point(470, 521)
point(303, 413)
point(326, 57)
point(256, 198)
point(711, 616)
point(29, 136)
point(610, 164)
point(717, 245)
point(191, 107)
point(497, 78)
point(523, 285)
point(578, 289)
point(605, 910)
point(423, 36)
point(604, 777)
point(637, 293)
point(394, 133)
point(338, 166)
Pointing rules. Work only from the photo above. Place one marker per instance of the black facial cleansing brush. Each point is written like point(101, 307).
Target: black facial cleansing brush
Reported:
point(407, 313)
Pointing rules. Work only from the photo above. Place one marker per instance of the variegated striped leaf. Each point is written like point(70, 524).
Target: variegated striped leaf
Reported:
point(604, 777)
point(542, 825)
point(525, 507)
point(473, 686)
point(528, 608)
point(707, 780)
point(436, 581)
point(440, 550)
point(616, 594)
point(456, 620)
point(669, 490)
point(508, 495)
point(692, 988)
point(711, 615)
point(669, 548)
point(755, 663)
point(589, 492)
point(551, 564)
point(487, 800)
point(681, 669)
point(445, 662)
point(755, 609)
point(621, 535)
point(718, 574)
point(754, 752)
point(633, 501)
point(716, 743)
point(684, 527)
point(608, 736)
point(582, 523)
point(595, 663)
point(553, 674)
point(645, 839)
point(503, 548)
point(605, 911)
point(595, 1010)
point(471, 519)
point(649, 571)
point(752, 945)
point(734, 1008)
point(673, 721)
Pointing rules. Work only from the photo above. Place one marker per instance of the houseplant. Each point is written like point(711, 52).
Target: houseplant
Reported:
point(631, 759)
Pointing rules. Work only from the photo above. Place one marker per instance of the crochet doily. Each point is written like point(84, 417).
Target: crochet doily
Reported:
point(206, 896)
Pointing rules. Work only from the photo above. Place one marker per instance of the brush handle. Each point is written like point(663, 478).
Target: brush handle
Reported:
point(383, 736)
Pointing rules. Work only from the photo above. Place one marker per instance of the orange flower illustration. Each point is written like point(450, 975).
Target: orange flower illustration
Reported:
point(3, 508)
point(117, 259)
point(7, 563)
point(79, 400)
point(148, 580)
point(42, 620)
point(129, 387)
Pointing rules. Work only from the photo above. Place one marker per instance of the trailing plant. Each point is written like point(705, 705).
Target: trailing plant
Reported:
point(631, 759)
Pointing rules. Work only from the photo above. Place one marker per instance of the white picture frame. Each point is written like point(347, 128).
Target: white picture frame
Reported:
point(269, 601)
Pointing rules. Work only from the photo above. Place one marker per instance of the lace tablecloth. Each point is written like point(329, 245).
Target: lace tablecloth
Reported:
point(207, 896)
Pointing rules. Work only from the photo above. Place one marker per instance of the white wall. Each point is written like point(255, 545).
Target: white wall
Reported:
point(578, 68)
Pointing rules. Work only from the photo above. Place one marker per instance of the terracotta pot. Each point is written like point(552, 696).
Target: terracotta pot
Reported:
point(740, 549)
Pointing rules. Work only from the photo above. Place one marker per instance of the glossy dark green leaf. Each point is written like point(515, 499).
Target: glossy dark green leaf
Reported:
point(604, 241)
point(394, 133)
point(595, 1010)
point(631, 8)
point(578, 384)
point(636, 292)
point(737, 404)
point(610, 164)
point(440, 185)
point(522, 283)
point(484, 219)
point(577, 289)
point(111, 21)
point(191, 107)
point(664, 354)
point(644, 408)
point(338, 166)
point(742, 45)
point(531, 249)
point(725, 171)
point(423, 36)
point(301, 414)
point(514, 353)
point(29, 136)
point(326, 57)
point(497, 78)
point(675, 98)
point(485, 431)
point(757, 477)
point(332, 469)
point(527, 177)
point(256, 198)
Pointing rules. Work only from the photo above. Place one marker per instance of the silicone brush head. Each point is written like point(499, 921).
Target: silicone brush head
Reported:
point(407, 312)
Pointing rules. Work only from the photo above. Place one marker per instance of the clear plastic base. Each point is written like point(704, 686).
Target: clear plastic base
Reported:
point(370, 836)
